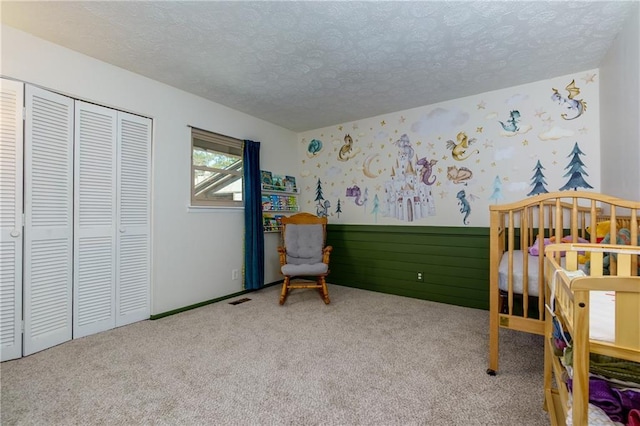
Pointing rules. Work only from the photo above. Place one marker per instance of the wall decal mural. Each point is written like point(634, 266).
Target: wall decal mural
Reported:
point(366, 166)
point(576, 107)
point(576, 170)
point(459, 148)
point(347, 151)
point(459, 174)
point(426, 173)
point(391, 168)
point(408, 198)
point(314, 147)
point(465, 207)
point(322, 205)
point(512, 126)
point(537, 181)
point(354, 192)
point(555, 133)
point(376, 208)
point(338, 208)
point(497, 190)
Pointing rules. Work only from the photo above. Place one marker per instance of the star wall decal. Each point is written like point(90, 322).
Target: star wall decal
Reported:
point(438, 183)
point(370, 145)
point(443, 194)
point(382, 123)
point(548, 119)
point(493, 164)
point(340, 128)
point(418, 143)
point(525, 142)
point(555, 162)
point(478, 161)
point(381, 146)
point(589, 78)
point(554, 152)
point(444, 157)
point(318, 165)
point(304, 161)
point(439, 169)
point(583, 130)
point(431, 145)
point(479, 129)
point(506, 178)
point(539, 113)
point(487, 144)
point(482, 105)
point(378, 187)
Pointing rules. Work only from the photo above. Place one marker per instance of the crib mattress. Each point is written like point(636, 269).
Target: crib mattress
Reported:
point(518, 282)
point(601, 311)
point(602, 316)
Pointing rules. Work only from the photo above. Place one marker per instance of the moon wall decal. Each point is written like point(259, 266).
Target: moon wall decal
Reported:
point(366, 164)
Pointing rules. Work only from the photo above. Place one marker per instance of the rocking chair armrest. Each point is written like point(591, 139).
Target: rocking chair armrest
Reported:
point(282, 253)
point(326, 252)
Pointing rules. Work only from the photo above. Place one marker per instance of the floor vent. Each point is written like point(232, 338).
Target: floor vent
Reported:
point(239, 301)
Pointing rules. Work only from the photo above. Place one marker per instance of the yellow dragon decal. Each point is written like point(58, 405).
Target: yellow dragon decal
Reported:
point(458, 150)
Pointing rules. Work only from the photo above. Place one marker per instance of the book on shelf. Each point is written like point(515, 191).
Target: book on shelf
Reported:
point(266, 178)
point(278, 183)
point(290, 184)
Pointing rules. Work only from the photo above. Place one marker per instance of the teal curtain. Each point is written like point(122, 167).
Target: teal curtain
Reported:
point(253, 234)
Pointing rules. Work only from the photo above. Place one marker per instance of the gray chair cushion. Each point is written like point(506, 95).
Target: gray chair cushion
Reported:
point(305, 269)
point(304, 244)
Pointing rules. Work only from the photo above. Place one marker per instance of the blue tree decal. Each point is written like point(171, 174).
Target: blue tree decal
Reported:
point(376, 208)
point(538, 181)
point(497, 190)
point(576, 170)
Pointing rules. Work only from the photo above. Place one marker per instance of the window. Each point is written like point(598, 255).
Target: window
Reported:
point(216, 170)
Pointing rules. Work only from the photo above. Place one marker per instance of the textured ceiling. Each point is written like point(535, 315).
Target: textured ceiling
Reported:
point(305, 64)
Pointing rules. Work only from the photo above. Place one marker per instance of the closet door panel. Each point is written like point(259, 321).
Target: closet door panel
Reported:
point(95, 219)
point(48, 231)
point(11, 137)
point(134, 193)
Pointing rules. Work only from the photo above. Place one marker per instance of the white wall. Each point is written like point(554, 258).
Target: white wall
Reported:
point(619, 112)
point(193, 252)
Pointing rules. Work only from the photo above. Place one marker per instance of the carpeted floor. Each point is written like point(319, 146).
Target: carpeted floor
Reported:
point(366, 359)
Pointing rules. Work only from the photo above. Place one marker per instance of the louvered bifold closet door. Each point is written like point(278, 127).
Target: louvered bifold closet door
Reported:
point(11, 137)
point(134, 194)
point(95, 219)
point(48, 230)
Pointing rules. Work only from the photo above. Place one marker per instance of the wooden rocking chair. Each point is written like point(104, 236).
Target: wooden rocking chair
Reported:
point(304, 253)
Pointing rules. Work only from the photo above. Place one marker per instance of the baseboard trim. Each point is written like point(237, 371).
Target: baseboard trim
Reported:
point(208, 302)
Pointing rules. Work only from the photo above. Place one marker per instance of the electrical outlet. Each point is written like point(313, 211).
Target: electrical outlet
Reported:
point(420, 277)
point(235, 274)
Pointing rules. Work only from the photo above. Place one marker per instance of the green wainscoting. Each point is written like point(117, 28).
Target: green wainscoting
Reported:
point(454, 261)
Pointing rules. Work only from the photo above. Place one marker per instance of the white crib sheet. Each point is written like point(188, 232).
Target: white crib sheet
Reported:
point(602, 316)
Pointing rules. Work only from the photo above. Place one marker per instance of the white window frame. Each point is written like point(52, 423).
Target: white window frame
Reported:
point(218, 143)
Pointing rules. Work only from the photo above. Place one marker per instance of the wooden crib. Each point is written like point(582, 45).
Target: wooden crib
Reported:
point(516, 299)
point(583, 305)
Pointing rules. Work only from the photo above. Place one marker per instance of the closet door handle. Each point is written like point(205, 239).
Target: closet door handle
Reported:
point(123, 230)
point(15, 233)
